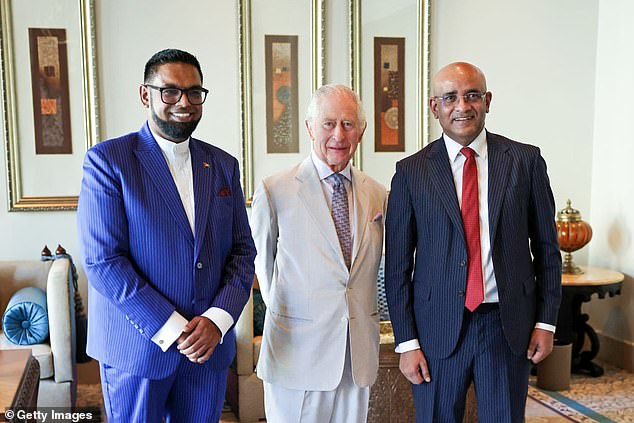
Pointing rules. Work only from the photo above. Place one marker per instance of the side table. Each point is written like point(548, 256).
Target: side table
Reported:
point(20, 380)
point(572, 326)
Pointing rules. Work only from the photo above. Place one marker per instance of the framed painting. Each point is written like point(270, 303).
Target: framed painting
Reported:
point(49, 100)
point(282, 123)
point(277, 78)
point(394, 90)
point(49, 83)
point(389, 95)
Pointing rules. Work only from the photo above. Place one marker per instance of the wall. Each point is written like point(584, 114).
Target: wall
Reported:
point(612, 216)
point(539, 59)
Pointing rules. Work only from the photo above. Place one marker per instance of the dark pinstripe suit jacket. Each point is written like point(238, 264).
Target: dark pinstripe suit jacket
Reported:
point(140, 255)
point(426, 254)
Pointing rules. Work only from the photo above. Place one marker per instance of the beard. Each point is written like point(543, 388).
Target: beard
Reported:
point(178, 131)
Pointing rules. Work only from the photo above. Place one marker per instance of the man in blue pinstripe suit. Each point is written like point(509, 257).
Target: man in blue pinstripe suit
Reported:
point(169, 256)
point(446, 338)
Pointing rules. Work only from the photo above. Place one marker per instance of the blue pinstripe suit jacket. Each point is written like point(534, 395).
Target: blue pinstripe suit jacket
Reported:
point(426, 254)
point(141, 258)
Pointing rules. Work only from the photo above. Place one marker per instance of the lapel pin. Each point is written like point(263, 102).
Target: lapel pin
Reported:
point(205, 164)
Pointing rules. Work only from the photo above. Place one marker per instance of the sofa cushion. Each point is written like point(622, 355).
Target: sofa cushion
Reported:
point(41, 352)
point(25, 321)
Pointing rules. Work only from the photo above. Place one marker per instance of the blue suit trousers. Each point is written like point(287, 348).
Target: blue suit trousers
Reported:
point(192, 393)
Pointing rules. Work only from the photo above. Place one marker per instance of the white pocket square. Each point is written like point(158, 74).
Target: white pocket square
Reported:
point(377, 217)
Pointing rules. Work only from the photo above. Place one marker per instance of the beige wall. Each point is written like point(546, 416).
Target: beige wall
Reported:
point(612, 210)
point(545, 62)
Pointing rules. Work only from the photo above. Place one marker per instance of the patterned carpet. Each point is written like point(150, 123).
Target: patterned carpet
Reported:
point(89, 400)
point(609, 398)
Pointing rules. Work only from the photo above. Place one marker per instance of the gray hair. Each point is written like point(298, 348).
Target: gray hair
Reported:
point(333, 89)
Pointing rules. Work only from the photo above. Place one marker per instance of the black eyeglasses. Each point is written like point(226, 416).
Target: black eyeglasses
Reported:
point(172, 95)
point(451, 99)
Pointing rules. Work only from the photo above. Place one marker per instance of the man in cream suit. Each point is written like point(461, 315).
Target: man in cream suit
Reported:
point(318, 230)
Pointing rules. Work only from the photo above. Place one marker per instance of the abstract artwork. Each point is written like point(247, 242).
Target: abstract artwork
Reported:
point(389, 97)
point(49, 82)
point(282, 130)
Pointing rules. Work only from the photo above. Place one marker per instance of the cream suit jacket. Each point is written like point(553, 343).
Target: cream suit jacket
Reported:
point(312, 299)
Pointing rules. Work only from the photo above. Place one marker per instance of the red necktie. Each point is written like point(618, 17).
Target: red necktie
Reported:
point(471, 222)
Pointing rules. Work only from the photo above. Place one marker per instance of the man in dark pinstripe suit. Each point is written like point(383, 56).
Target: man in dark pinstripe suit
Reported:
point(445, 341)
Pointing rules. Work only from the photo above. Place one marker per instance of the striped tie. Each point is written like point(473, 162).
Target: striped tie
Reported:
point(341, 216)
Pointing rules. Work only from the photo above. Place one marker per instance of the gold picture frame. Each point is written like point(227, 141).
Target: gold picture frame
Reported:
point(361, 47)
point(252, 87)
point(34, 181)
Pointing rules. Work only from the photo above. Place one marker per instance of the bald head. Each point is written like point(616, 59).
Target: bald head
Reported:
point(458, 70)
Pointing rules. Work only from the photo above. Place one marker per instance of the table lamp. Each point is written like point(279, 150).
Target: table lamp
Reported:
point(572, 233)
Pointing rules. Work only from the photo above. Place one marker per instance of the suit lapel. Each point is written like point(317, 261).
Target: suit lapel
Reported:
point(204, 172)
point(442, 180)
point(153, 162)
point(499, 168)
point(312, 195)
point(361, 210)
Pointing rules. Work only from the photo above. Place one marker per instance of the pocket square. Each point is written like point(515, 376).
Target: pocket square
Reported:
point(224, 192)
point(377, 217)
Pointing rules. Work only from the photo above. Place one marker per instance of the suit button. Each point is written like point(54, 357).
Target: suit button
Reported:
point(461, 293)
point(199, 265)
point(463, 263)
point(344, 319)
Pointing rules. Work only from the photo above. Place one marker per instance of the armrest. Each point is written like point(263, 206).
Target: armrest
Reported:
point(244, 339)
point(61, 319)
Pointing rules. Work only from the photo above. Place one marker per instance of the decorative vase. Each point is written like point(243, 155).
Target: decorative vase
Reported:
point(573, 233)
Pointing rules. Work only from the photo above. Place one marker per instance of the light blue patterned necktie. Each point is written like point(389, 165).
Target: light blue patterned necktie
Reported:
point(341, 216)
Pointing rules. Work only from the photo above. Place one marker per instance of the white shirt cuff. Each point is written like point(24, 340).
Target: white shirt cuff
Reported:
point(220, 318)
point(407, 346)
point(545, 326)
point(170, 331)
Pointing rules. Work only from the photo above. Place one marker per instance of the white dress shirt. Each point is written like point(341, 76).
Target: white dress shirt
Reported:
point(179, 161)
point(456, 160)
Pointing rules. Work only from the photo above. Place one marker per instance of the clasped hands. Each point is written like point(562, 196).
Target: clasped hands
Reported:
point(199, 339)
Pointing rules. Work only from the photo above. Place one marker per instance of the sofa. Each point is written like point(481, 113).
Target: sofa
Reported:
point(56, 355)
point(245, 392)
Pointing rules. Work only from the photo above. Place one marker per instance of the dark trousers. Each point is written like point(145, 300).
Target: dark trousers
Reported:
point(483, 356)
